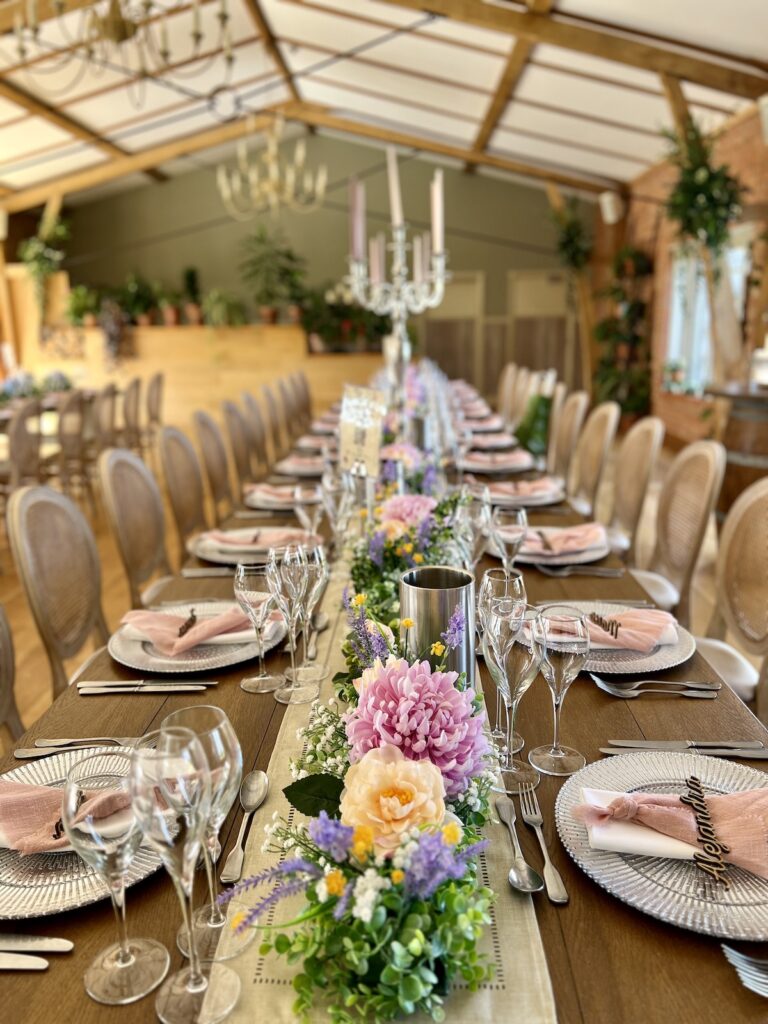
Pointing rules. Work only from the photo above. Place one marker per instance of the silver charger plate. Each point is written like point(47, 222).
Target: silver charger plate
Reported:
point(50, 883)
point(593, 554)
point(221, 556)
point(554, 497)
point(468, 465)
point(288, 467)
point(143, 656)
point(629, 662)
point(675, 891)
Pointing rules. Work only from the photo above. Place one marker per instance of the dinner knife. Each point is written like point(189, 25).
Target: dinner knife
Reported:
point(22, 962)
point(688, 744)
point(193, 573)
point(748, 753)
point(123, 683)
point(89, 691)
point(33, 944)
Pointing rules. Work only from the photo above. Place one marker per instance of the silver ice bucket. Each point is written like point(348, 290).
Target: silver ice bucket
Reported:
point(429, 596)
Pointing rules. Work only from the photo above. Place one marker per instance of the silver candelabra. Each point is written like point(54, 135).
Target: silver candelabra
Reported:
point(398, 298)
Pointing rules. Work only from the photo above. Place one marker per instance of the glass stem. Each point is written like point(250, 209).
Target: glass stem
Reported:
point(260, 642)
point(196, 977)
point(511, 712)
point(557, 704)
point(305, 634)
point(209, 855)
point(117, 895)
point(294, 620)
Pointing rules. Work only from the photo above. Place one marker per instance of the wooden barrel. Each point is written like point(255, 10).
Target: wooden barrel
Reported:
point(746, 440)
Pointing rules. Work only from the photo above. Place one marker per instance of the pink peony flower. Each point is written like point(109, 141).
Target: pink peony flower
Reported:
point(401, 451)
point(411, 509)
point(422, 714)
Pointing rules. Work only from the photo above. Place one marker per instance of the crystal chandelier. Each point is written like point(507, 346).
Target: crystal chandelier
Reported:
point(262, 182)
point(127, 36)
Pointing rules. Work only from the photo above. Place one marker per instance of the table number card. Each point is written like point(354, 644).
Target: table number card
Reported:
point(362, 414)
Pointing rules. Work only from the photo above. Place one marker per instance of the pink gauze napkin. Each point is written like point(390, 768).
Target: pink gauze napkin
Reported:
point(273, 493)
point(525, 488)
point(493, 422)
point(500, 459)
point(163, 630)
point(499, 439)
point(29, 814)
point(640, 629)
point(566, 540)
point(623, 822)
point(259, 540)
point(303, 461)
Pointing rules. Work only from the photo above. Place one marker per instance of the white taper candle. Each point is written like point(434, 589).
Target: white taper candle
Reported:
point(393, 177)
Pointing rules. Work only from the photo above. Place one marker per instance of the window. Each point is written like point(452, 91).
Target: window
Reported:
point(689, 344)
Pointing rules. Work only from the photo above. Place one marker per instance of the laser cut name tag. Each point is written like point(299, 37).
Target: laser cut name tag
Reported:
point(710, 858)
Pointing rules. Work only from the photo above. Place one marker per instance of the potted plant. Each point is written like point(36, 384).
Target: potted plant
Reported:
point(169, 301)
point(220, 309)
point(191, 291)
point(43, 255)
point(293, 268)
point(263, 269)
point(335, 323)
point(137, 299)
point(83, 304)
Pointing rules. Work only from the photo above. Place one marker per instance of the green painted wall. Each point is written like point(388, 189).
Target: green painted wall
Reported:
point(492, 225)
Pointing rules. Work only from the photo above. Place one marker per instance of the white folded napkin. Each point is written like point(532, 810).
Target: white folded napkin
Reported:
point(629, 836)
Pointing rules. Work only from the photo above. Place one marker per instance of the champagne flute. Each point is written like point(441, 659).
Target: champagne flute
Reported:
point(562, 636)
point(338, 507)
point(102, 828)
point(222, 749)
point(255, 597)
point(308, 507)
point(288, 581)
point(504, 617)
point(521, 663)
point(317, 578)
point(509, 528)
point(498, 583)
point(474, 521)
point(171, 791)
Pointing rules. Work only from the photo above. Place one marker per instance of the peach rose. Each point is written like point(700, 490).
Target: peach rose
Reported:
point(391, 795)
point(393, 528)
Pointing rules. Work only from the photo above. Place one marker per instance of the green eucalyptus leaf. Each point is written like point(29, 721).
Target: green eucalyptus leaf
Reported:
point(314, 794)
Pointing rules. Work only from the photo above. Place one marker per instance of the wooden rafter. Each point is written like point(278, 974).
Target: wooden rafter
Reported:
point(539, 28)
point(309, 114)
point(676, 100)
point(517, 61)
point(270, 45)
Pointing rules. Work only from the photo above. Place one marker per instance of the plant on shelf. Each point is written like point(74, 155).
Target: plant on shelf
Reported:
point(623, 373)
point(294, 273)
point(137, 298)
point(706, 198)
point(169, 302)
point(193, 313)
point(334, 322)
point(83, 305)
point(220, 309)
point(43, 254)
point(266, 272)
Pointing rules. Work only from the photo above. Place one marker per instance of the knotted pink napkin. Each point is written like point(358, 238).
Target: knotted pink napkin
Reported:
point(476, 410)
point(520, 457)
point(640, 629)
point(303, 462)
point(29, 815)
point(497, 439)
point(273, 493)
point(163, 630)
point(740, 821)
point(566, 540)
point(525, 488)
point(259, 540)
point(494, 422)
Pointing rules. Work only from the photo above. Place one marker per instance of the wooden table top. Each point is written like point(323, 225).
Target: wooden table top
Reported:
point(608, 962)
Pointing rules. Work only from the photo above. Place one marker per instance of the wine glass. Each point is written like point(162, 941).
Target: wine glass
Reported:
point(562, 636)
point(498, 583)
point(463, 440)
point(102, 828)
point(255, 597)
point(474, 523)
point(337, 502)
point(509, 528)
point(317, 578)
point(308, 507)
point(225, 760)
point(521, 660)
point(171, 791)
point(288, 579)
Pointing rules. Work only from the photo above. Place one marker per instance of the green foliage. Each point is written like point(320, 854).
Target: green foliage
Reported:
point(42, 257)
point(574, 244)
point(623, 373)
point(137, 296)
point(533, 429)
point(81, 302)
point(334, 316)
point(272, 270)
point(221, 309)
point(315, 793)
point(167, 298)
point(706, 198)
point(191, 285)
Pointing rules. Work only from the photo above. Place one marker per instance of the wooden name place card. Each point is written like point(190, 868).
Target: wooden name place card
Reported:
point(710, 858)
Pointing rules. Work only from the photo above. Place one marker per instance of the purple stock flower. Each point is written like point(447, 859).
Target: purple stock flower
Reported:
point(424, 532)
point(343, 902)
point(280, 892)
point(376, 548)
point(434, 862)
point(429, 479)
point(331, 836)
point(454, 634)
point(389, 471)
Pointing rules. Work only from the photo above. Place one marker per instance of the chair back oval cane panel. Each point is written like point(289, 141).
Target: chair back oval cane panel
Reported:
point(9, 712)
point(592, 450)
point(215, 461)
point(239, 441)
point(183, 481)
point(635, 463)
point(567, 430)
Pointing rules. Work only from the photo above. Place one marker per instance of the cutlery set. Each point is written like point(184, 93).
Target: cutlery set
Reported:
point(16, 950)
point(630, 689)
point(747, 749)
point(522, 876)
point(91, 687)
point(561, 571)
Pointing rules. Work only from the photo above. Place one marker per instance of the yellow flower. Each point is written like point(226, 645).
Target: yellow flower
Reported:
point(237, 920)
point(399, 552)
point(359, 599)
point(451, 833)
point(362, 842)
point(335, 882)
point(418, 558)
point(363, 513)
point(377, 511)
point(407, 623)
point(437, 648)
point(397, 876)
point(408, 548)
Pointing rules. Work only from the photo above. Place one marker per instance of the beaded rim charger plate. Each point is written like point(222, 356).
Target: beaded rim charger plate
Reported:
point(48, 883)
point(675, 891)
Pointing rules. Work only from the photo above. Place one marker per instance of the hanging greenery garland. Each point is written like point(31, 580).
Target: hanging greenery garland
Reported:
point(705, 199)
point(574, 244)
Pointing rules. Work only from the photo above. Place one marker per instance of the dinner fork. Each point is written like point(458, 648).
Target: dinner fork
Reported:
point(529, 805)
point(636, 684)
point(626, 693)
point(752, 971)
point(559, 571)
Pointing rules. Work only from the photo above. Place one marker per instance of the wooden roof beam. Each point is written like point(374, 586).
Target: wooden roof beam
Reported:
point(271, 46)
point(677, 102)
point(540, 28)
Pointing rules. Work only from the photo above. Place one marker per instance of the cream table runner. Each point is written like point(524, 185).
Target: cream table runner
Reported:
point(520, 990)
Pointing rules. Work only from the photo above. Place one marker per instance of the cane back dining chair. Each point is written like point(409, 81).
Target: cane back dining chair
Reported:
point(155, 391)
point(25, 464)
point(291, 414)
point(591, 456)
point(215, 464)
point(239, 443)
point(741, 607)
point(566, 433)
point(56, 558)
point(9, 712)
point(184, 483)
point(277, 439)
point(70, 463)
point(559, 394)
point(134, 508)
point(506, 391)
point(519, 395)
point(257, 432)
point(302, 400)
point(635, 462)
point(687, 498)
point(131, 434)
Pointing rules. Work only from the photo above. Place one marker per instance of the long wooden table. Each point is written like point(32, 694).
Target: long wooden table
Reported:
point(607, 961)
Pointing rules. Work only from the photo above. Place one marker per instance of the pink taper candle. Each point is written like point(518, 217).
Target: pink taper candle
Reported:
point(436, 193)
point(418, 258)
point(393, 177)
